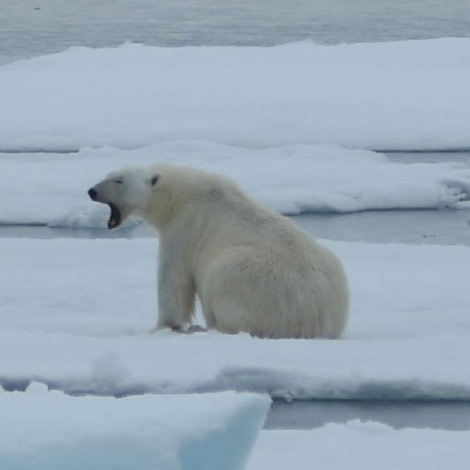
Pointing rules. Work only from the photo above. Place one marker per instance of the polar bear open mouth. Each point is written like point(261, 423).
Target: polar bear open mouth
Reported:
point(115, 216)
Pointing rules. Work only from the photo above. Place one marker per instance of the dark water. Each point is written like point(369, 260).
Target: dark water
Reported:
point(454, 416)
point(36, 27)
point(441, 227)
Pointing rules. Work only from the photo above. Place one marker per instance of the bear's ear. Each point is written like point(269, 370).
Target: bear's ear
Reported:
point(154, 179)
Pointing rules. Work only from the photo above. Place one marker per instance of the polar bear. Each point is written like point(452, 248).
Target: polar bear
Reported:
point(252, 269)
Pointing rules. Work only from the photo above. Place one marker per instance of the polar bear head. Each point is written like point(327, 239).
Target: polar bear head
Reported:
point(157, 194)
point(126, 192)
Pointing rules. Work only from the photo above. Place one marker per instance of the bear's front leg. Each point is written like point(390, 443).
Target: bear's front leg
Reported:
point(176, 295)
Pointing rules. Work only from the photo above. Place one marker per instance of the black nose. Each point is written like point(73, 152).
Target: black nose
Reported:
point(92, 193)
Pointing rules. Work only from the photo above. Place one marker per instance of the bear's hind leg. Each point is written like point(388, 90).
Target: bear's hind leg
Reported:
point(232, 297)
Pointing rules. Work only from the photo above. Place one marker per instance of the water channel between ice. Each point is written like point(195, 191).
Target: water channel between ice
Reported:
point(443, 227)
point(449, 415)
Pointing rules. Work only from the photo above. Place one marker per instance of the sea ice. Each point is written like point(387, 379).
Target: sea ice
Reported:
point(410, 95)
point(41, 430)
point(51, 189)
point(362, 445)
point(76, 315)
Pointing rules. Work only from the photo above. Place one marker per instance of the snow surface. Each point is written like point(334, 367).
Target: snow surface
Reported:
point(75, 315)
point(400, 95)
point(42, 430)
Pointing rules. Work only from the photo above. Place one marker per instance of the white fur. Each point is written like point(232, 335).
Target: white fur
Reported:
point(253, 270)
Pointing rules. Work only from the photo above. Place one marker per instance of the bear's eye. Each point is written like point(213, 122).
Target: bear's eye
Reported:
point(118, 181)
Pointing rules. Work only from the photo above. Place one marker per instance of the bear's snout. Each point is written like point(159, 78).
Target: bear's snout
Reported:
point(93, 193)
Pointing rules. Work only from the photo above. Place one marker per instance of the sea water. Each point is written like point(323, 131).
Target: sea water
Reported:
point(36, 27)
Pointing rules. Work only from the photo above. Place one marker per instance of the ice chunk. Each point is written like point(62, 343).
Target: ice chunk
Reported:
point(42, 430)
